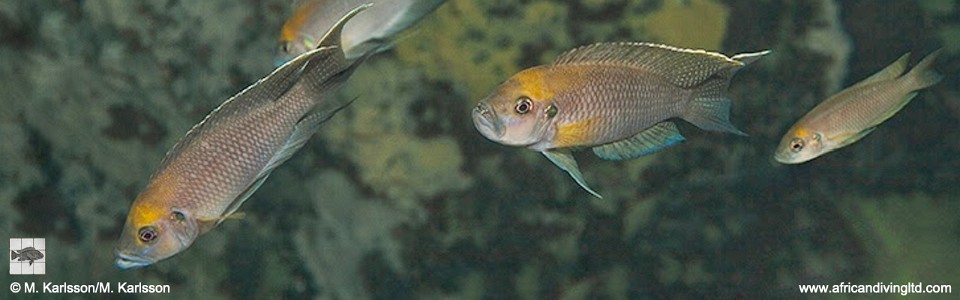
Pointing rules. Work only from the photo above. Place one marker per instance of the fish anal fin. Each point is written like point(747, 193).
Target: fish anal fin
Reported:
point(710, 108)
point(565, 161)
point(653, 139)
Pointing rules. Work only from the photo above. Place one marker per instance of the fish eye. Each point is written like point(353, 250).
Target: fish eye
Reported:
point(796, 145)
point(524, 105)
point(285, 47)
point(147, 234)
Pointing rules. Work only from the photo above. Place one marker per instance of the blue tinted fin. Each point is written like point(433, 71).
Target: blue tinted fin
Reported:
point(653, 139)
point(565, 161)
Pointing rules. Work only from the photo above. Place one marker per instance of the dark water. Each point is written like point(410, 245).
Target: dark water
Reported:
point(398, 196)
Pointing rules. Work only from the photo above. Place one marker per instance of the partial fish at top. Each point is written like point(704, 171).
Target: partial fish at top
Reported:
point(616, 98)
point(369, 32)
point(853, 113)
point(222, 160)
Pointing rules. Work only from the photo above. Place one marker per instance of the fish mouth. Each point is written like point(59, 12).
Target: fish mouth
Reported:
point(786, 158)
point(485, 119)
point(127, 262)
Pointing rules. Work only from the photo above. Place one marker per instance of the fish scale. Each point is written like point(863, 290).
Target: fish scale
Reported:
point(625, 103)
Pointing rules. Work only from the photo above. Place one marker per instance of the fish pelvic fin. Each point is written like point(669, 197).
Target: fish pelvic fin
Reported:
point(653, 139)
point(710, 107)
point(565, 161)
point(923, 75)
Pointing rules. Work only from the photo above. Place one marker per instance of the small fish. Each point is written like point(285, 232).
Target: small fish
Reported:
point(853, 113)
point(221, 161)
point(28, 253)
point(370, 32)
point(617, 98)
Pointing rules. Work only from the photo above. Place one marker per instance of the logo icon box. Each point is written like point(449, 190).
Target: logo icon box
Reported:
point(28, 256)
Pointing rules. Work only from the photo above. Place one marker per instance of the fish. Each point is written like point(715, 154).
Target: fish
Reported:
point(372, 31)
point(618, 99)
point(28, 253)
point(220, 162)
point(855, 112)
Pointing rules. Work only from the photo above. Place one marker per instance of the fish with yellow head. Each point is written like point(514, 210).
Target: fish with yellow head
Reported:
point(372, 31)
point(853, 113)
point(225, 158)
point(617, 98)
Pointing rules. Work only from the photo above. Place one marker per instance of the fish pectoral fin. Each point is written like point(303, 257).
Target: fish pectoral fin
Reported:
point(565, 161)
point(850, 138)
point(653, 139)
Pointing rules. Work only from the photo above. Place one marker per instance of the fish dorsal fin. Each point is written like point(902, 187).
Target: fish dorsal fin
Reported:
point(892, 71)
point(653, 139)
point(683, 67)
point(301, 133)
point(332, 37)
point(565, 161)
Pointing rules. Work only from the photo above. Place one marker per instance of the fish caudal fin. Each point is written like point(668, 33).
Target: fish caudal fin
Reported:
point(923, 75)
point(13, 255)
point(710, 107)
point(332, 37)
point(565, 161)
point(653, 139)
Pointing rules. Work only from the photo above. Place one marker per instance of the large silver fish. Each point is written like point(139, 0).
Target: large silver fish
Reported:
point(222, 160)
point(368, 32)
point(617, 98)
point(853, 113)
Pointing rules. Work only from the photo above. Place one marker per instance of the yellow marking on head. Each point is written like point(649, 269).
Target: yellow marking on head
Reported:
point(154, 202)
point(576, 134)
point(801, 132)
point(533, 84)
point(293, 25)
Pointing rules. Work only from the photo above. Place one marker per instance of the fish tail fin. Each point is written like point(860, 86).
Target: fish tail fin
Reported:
point(13, 255)
point(923, 75)
point(332, 37)
point(710, 107)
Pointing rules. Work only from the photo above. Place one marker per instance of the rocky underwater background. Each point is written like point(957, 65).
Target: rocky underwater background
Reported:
point(398, 196)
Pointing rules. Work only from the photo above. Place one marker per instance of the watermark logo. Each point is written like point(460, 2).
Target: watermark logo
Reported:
point(28, 256)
